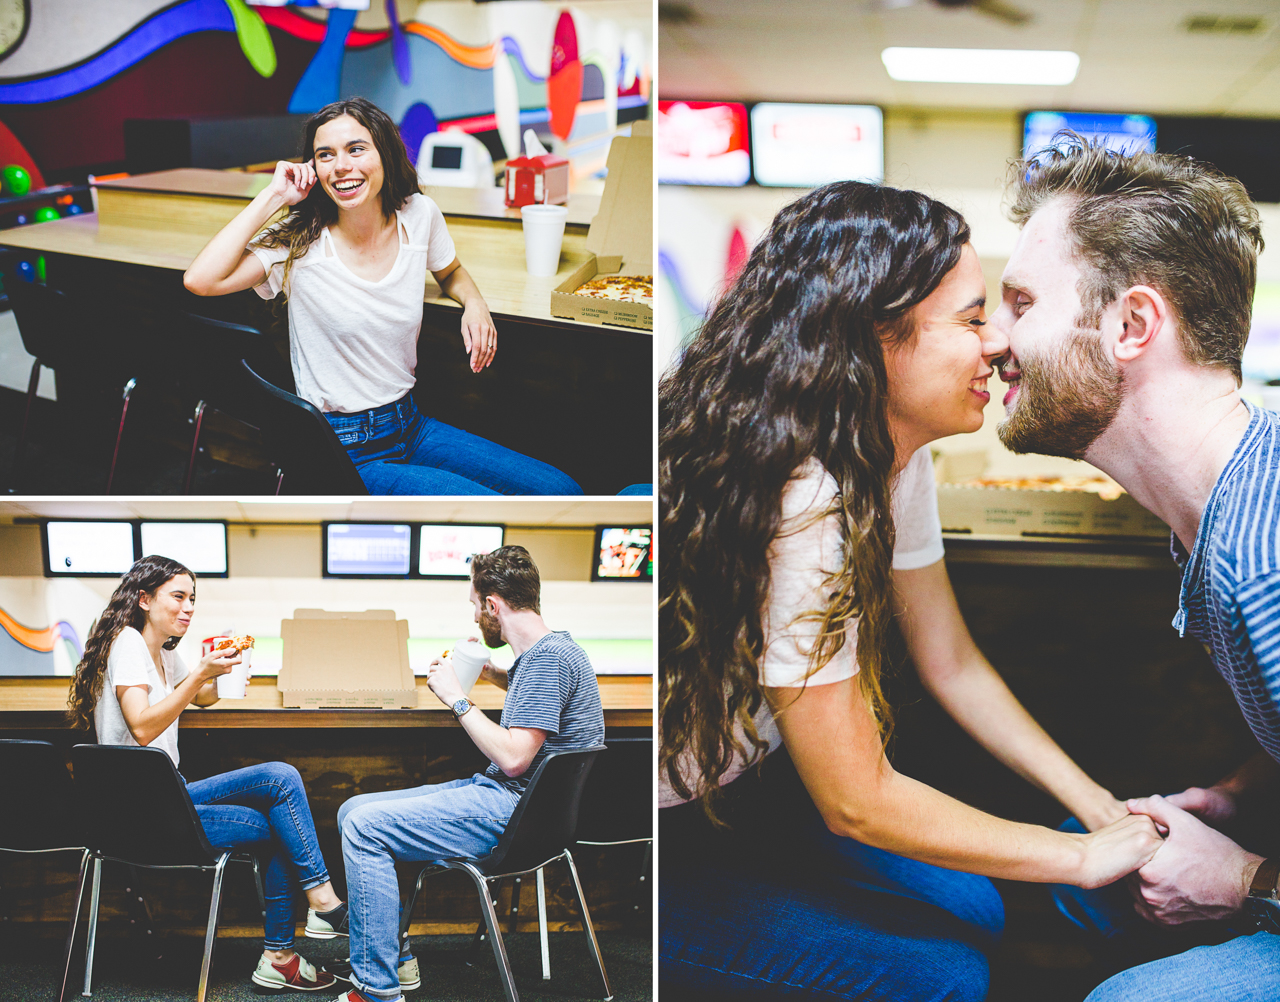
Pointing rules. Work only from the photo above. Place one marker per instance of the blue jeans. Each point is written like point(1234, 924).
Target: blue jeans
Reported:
point(1244, 968)
point(464, 817)
point(399, 450)
point(780, 907)
point(263, 809)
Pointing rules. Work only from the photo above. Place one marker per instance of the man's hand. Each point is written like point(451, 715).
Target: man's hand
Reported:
point(1198, 874)
point(443, 681)
point(1213, 805)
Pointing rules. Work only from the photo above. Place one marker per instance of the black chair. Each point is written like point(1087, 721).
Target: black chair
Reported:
point(39, 813)
point(539, 833)
point(137, 811)
point(303, 446)
point(214, 377)
point(63, 334)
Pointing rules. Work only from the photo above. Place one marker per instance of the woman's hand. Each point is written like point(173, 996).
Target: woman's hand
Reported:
point(478, 333)
point(293, 182)
point(216, 663)
point(1117, 850)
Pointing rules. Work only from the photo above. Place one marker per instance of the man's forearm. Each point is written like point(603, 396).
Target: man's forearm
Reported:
point(501, 746)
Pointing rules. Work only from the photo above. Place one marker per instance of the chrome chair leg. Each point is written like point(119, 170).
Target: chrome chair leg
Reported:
point(75, 919)
point(215, 902)
point(495, 933)
point(587, 930)
point(257, 880)
point(513, 924)
point(91, 944)
point(124, 412)
point(195, 448)
point(542, 926)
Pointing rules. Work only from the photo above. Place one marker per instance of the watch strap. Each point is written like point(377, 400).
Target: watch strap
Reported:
point(1264, 879)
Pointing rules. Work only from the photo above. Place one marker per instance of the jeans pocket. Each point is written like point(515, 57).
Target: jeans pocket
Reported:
point(351, 436)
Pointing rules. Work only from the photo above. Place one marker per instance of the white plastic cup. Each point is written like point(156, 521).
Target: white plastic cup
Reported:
point(543, 235)
point(236, 684)
point(469, 657)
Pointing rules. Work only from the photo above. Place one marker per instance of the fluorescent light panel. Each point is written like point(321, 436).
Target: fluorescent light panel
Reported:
point(981, 66)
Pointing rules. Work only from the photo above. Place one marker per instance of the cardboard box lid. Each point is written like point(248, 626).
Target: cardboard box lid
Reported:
point(624, 224)
point(345, 651)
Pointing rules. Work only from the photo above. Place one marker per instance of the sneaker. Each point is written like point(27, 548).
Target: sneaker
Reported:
point(296, 975)
point(410, 978)
point(356, 996)
point(326, 925)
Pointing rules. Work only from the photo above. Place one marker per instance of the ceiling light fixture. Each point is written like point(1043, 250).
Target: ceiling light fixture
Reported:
point(981, 66)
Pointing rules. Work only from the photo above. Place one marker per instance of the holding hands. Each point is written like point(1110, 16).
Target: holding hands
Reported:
point(1118, 849)
point(293, 182)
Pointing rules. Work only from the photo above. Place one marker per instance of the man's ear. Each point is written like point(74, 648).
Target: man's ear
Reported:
point(1142, 315)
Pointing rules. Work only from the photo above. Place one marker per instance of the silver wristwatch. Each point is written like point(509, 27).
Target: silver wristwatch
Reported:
point(1261, 904)
point(462, 706)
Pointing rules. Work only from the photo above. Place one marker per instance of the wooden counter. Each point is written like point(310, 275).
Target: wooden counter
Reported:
point(39, 704)
point(1029, 551)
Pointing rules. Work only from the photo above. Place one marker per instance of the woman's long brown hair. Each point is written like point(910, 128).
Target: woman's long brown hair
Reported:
point(788, 367)
point(123, 610)
point(306, 220)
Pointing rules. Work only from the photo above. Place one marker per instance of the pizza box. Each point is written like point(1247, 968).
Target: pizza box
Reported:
point(1047, 510)
point(620, 238)
point(348, 659)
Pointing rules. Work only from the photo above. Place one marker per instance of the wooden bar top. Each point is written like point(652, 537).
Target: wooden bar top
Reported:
point(193, 181)
point(39, 703)
point(492, 251)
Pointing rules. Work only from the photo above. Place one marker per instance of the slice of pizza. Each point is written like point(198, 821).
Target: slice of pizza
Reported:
point(620, 288)
point(235, 643)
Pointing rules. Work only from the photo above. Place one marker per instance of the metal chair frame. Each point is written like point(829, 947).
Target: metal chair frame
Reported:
point(210, 938)
point(487, 902)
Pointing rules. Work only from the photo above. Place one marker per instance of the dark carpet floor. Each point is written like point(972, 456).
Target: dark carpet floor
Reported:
point(30, 967)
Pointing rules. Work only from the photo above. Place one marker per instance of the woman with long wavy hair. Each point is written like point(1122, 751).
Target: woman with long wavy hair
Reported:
point(131, 687)
point(798, 514)
point(351, 257)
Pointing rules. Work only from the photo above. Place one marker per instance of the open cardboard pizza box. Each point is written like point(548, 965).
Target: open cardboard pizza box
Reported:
point(348, 659)
point(621, 236)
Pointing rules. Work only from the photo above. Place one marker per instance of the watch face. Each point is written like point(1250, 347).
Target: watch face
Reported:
point(461, 706)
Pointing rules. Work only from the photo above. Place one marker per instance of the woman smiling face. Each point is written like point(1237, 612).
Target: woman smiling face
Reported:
point(347, 163)
point(170, 607)
point(938, 375)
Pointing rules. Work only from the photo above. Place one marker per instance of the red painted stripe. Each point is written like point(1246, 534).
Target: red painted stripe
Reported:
point(287, 19)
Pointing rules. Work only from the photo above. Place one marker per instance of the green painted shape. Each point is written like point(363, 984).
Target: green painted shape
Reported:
point(255, 39)
point(530, 93)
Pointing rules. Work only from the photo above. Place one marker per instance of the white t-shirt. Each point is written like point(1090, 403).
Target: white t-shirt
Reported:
point(353, 343)
point(804, 553)
point(129, 663)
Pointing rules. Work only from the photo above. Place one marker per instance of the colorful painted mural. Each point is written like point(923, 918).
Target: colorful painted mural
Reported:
point(487, 69)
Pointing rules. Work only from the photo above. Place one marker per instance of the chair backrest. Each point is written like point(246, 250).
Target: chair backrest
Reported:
point(302, 443)
point(546, 818)
point(51, 323)
point(218, 345)
point(136, 807)
point(37, 799)
point(617, 804)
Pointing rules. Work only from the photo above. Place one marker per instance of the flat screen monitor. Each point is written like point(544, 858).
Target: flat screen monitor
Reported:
point(445, 551)
point(202, 546)
point(1122, 133)
point(623, 553)
point(88, 549)
point(703, 142)
point(805, 145)
point(367, 549)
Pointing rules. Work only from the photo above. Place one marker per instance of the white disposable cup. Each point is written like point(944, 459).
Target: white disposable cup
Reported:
point(236, 684)
point(469, 658)
point(543, 235)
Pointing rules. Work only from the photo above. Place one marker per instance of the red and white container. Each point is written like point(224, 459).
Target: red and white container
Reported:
point(537, 180)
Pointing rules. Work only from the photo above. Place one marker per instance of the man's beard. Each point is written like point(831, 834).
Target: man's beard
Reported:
point(1064, 403)
point(490, 629)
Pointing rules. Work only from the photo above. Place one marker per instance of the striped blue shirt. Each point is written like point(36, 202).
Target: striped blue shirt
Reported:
point(1230, 598)
point(552, 687)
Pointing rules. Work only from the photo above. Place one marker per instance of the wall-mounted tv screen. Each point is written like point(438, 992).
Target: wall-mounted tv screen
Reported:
point(623, 553)
point(703, 142)
point(805, 145)
point(88, 549)
point(1122, 133)
point(202, 546)
point(444, 551)
point(367, 549)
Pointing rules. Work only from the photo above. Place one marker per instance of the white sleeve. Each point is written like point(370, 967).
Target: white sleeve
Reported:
point(805, 552)
point(429, 229)
point(915, 515)
point(272, 259)
point(127, 662)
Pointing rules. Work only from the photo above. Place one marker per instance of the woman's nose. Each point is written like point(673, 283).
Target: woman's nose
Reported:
point(995, 340)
